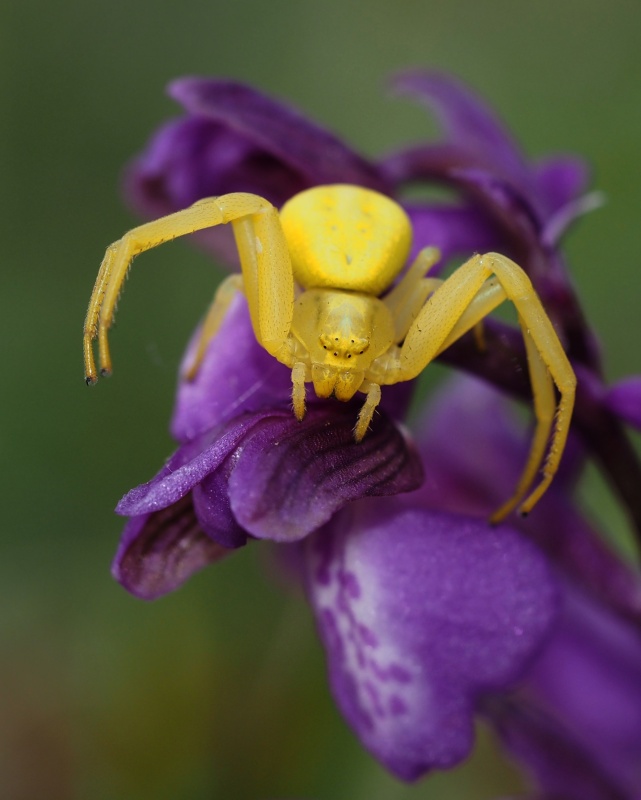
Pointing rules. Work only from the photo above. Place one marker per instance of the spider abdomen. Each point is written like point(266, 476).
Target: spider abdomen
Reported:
point(346, 237)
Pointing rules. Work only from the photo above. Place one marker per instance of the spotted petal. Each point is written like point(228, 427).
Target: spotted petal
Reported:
point(421, 613)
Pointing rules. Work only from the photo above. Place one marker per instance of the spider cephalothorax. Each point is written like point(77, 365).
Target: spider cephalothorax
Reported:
point(317, 278)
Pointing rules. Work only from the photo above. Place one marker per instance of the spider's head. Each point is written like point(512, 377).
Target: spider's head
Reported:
point(342, 370)
point(343, 332)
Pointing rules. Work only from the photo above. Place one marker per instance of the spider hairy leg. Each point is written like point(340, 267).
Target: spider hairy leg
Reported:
point(223, 298)
point(457, 306)
point(407, 298)
point(368, 408)
point(545, 407)
point(299, 375)
point(266, 269)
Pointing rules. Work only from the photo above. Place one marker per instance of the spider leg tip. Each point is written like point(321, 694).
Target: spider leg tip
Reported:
point(105, 372)
point(91, 380)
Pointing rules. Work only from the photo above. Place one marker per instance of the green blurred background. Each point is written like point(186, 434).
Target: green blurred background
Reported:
point(219, 691)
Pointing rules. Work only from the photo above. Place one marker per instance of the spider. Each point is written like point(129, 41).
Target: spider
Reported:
point(317, 278)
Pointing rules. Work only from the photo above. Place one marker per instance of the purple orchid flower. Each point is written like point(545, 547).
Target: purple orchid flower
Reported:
point(247, 469)
point(427, 614)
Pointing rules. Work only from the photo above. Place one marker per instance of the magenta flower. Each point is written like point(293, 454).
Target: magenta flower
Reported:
point(428, 615)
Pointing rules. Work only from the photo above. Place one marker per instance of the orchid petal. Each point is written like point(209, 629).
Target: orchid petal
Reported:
point(291, 477)
point(159, 551)
point(420, 613)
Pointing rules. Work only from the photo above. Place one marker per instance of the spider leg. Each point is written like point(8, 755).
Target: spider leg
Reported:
point(489, 296)
point(366, 413)
point(544, 408)
point(407, 298)
point(456, 307)
point(225, 293)
point(299, 376)
point(264, 259)
point(268, 278)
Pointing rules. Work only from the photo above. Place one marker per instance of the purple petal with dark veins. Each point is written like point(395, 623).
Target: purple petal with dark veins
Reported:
point(158, 552)
point(420, 614)
point(290, 477)
point(284, 478)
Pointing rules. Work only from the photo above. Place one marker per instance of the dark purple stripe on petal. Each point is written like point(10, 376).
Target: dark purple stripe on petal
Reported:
point(158, 552)
point(291, 477)
point(300, 144)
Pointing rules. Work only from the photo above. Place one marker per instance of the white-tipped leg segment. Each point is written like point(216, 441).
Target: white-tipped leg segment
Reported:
point(459, 304)
point(368, 408)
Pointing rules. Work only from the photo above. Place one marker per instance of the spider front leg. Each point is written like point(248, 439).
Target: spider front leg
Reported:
point(457, 306)
point(267, 274)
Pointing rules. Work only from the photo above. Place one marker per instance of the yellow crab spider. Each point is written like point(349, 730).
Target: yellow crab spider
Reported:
point(317, 279)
